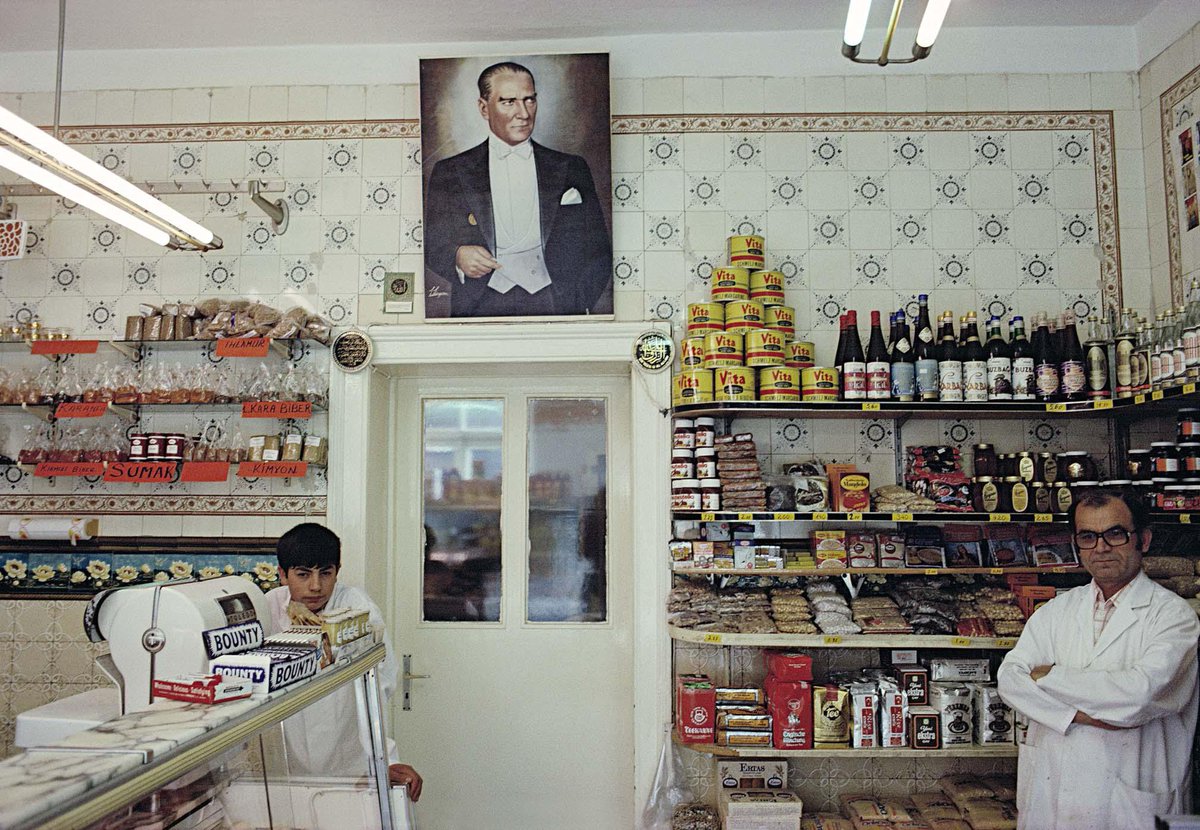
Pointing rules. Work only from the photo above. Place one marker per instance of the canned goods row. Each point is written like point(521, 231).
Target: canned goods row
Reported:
point(740, 317)
point(758, 348)
point(157, 446)
point(729, 284)
point(747, 251)
point(776, 384)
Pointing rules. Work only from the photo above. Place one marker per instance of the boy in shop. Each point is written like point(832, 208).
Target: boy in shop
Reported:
point(325, 739)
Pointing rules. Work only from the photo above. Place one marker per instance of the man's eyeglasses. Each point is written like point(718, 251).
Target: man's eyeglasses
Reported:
point(1114, 536)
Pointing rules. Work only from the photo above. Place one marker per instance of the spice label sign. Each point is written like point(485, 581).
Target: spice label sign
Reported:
point(51, 469)
point(205, 471)
point(140, 471)
point(272, 469)
point(243, 347)
point(277, 409)
point(92, 409)
point(64, 346)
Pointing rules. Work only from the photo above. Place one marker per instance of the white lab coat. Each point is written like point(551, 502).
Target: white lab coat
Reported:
point(329, 738)
point(1140, 674)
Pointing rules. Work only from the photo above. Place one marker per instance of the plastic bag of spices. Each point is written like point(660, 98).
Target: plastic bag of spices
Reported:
point(316, 450)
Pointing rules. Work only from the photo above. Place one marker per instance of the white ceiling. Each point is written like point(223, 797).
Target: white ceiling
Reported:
point(32, 25)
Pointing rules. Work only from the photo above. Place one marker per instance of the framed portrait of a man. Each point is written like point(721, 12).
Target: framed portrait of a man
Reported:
point(517, 169)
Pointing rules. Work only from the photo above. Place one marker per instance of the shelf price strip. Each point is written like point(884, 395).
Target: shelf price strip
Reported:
point(999, 518)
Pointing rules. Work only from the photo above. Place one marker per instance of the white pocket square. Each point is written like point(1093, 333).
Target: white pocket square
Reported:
point(571, 197)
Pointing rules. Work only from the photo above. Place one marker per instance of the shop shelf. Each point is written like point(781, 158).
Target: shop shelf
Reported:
point(722, 638)
point(789, 572)
point(819, 517)
point(958, 751)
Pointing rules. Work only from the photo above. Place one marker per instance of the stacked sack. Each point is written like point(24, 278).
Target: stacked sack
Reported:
point(745, 611)
point(831, 612)
point(742, 486)
point(693, 605)
point(878, 615)
point(792, 613)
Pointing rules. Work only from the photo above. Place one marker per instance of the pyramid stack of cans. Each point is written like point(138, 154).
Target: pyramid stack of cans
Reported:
point(740, 346)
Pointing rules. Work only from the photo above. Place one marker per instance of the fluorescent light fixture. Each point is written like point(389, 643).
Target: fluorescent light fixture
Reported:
point(856, 25)
point(63, 169)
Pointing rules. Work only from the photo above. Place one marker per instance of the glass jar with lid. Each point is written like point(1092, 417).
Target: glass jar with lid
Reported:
point(985, 461)
point(1189, 458)
point(1026, 466)
point(684, 436)
point(1164, 459)
point(1077, 465)
point(1063, 497)
point(1137, 465)
point(1188, 421)
point(1017, 491)
point(1047, 468)
point(1042, 497)
point(985, 495)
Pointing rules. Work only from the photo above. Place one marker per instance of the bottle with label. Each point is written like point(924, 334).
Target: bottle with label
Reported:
point(854, 366)
point(1126, 345)
point(904, 370)
point(1191, 332)
point(1179, 360)
point(879, 366)
point(1072, 374)
point(1095, 356)
point(950, 368)
point(1023, 387)
point(999, 364)
point(1045, 362)
point(925, 352)
point(839, 357)
point(1144, 354)
point(974, 360)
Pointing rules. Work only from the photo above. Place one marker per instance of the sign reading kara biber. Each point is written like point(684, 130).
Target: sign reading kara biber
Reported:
point(277, 409)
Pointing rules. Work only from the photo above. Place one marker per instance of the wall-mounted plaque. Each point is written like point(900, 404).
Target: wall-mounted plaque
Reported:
point(352, 350)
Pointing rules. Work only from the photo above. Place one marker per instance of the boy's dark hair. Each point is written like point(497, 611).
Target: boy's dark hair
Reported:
point(1100, 496)
point(309, 545)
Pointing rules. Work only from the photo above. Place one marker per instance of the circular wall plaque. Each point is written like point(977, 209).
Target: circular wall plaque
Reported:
point(653, 351)
point(352, 350)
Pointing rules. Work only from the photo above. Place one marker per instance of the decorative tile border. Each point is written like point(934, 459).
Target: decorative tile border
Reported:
point(162, 505)
point(1179, 91)
point(269, 131)
point(50, 575)
point(1099, 122)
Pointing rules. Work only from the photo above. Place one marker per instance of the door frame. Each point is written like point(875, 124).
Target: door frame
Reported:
point(362, 428)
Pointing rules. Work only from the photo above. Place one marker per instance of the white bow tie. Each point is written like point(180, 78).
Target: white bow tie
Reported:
point(524, 150)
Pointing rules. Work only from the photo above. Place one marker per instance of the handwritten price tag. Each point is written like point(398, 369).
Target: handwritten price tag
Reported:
point(272, 469)
point(870, 407)
point(277, 409)
point(1189, 388)
point(243, 347)
point(1043, 518)
point(51, 469)
point(854, 517)
point(1005, 642)
point(745, 517)
point(999, 518)
point(1139, 399)
point(785, 517)
point(92, 409)
point(708, 517)
point(931, 572)
point(1056, 407)
point(140, 471)
point(1185, 518)
point(1156, 395)
point(960, 642)
point(996, 571)
point(712, 638)
point(832, 639)
point(902, 517)
point(820, 517)
point(1104, 403)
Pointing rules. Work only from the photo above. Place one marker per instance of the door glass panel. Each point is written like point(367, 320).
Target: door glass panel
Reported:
point(568, 510)
point(461, 509)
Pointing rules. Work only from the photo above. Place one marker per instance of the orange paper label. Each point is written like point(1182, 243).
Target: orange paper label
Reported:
point(205, 471)
point(49, 469)
point(137, 471)
point(272, 469)
point(243, 347)
point(276, 409)
point(80, 410)
point(63, 346)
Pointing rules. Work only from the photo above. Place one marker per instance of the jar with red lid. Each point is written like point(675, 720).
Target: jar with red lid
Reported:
point(1164, 460)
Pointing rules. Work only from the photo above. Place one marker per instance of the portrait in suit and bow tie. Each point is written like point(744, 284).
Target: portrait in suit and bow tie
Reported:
point(514, 228)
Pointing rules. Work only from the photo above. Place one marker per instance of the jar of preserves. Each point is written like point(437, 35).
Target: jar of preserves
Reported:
point(137, 447)
point(1006, 493)
point(710, 494)
point(155, 446)
point(685, 494)
point(706, 462)
point(985, 461)
point(1041, 497)
point(684, 437)
point(1026, 466)
point(1047, 468)
point(1189, 458)
point(1188, 421)
point(1077, 465)
point(1063, 498)
point(1137, 465)
point(985, 495)
point(683, 464)
point(1006, 464)
point(1018, 494)
point(1173, 497)
point(1164, 460)
point(1144, 489)
point(706, 432)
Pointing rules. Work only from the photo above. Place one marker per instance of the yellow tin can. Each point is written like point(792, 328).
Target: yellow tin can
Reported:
point(780, 384)
point(767, 287)
point(819, 384)
point(764, 347)
point(747, 251)
point(691, 352)
point(730, 284)
point(705, 317)
point(734, 384)
point(782, 318)
point(744, 316)
point(722, 348)
point(800, 354)
point(692, 386)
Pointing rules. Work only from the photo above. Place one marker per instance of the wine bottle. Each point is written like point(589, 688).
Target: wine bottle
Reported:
point(879, 367)
point(904, 370)
point(1022, 362)
point(950, 369)
point(1045, 361)
point(1159, 356)
point(1095, 357)
point(925, 353)
point(1191, 332)
point(999, 364)
point(1179, 361)
point(1126, 345)
point(974, 360)
point(854, 366)
point(1072, 372)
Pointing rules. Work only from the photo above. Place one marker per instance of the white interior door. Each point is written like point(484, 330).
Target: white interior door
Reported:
point(511, 588)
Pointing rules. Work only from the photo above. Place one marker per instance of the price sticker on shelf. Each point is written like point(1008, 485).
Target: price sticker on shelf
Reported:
point(931, 572)
point(745, 517)
point(902, 517)
point(996, 571)
point(785, 517)
point(960, 642)
point(712, 638)
point(1056, 407)
point(1105, 403)
point(854, 517)
point(1185, 518)
point(999, 518)
point(820, 517)
point(708, 517)
point(1156, 395)
point(1043, 518)
point(1189, 388)
point(1005, 642)
point(832, 639)
point(1058, 570)
point(870, 406)
point(1139, 399)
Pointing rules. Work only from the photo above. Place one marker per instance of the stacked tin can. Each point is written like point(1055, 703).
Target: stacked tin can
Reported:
point(739, 346)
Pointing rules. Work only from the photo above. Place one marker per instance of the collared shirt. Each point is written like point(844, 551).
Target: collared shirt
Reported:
point(515, 206)
point(1102, 610)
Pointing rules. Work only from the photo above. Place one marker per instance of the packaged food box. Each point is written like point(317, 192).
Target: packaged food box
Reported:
point(890, 546)
point(695, 709)
point(923, 547)
point(1006, 546)
point(752, 774)
point(864, 708)
point(201, 688)
point(959, 669)
point(852, 492)
point(860, 549)
point(829, 548)
point(924, 727)
point(831, 717)
point(953, 702)
point(743, 737)
point(760, 804)
point(790, 704)
point(681, 551)
point(963, 546)
point(740, 695)
point(893, 715)
point(994, 719)
point(789, 665)
point(1051, 547)
point(271, 667)
point(732, 719)
point(743, 555)
point(1032, 597)
point(914, 682)
point(702, 554)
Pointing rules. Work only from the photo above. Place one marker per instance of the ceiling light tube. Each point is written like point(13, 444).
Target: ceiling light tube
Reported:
point(39, 138)
point(52, 181)
point(931, 22)
point(856, 22)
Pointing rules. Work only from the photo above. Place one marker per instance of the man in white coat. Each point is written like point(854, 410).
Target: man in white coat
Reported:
point(1106, 676)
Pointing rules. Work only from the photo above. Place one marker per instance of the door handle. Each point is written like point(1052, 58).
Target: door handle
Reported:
point(406, 678)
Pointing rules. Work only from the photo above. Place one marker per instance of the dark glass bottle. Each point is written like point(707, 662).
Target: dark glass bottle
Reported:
point(854, 367)
point(904, 370)
point(1072, 374)
point(839, 356)
point(879, 366)
point(1045, 361)
point(925, 353)
point(950, 375)
point(1095, 355)
point(1024, 388)
point(999, 363)
point(974, 360)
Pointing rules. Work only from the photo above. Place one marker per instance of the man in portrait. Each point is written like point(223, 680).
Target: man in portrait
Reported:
point(513, 227)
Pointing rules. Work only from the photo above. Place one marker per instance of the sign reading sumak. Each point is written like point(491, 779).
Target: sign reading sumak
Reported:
point(140, 471)
point(276, 409)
